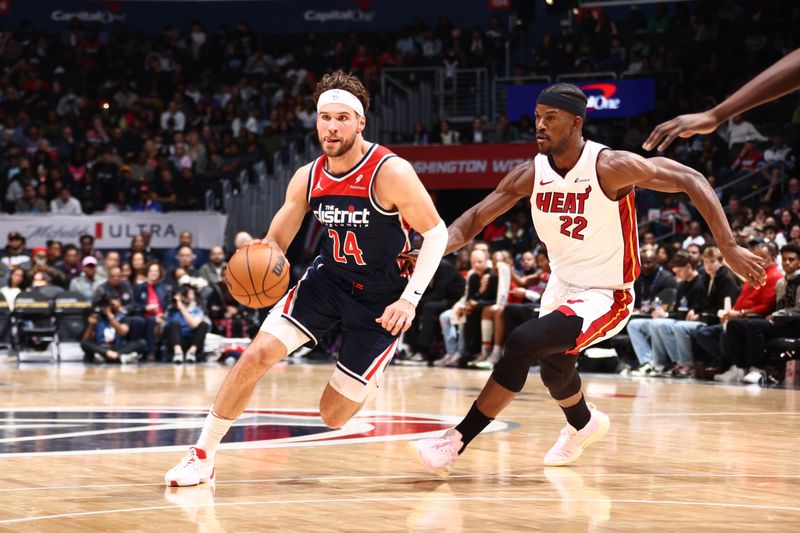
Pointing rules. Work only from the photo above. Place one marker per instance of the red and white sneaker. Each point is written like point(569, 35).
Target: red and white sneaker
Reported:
point(571, 443)
point(437, 454)
point(193, 469)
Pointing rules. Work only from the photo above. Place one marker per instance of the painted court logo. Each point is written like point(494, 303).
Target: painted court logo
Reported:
point(81, 431)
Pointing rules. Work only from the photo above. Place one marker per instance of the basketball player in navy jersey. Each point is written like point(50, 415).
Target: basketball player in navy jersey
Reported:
point(367, 199)
point(582, 205)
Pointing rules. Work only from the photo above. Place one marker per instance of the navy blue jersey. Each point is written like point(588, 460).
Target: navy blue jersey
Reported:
point(360, 239)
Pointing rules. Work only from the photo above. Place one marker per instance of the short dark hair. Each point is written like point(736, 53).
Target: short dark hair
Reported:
point(86, 236)
point(791, 248)
point(681, 259)
point(569, 90)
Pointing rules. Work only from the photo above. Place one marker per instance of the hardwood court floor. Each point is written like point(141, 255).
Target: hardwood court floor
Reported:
point(679, 456)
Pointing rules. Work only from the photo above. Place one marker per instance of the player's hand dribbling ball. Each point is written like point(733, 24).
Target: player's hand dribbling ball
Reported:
point(257, 275)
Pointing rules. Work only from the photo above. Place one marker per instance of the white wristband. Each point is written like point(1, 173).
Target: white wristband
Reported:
point(430, 255)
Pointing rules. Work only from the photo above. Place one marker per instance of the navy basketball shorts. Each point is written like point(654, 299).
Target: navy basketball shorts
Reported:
point(322, 300)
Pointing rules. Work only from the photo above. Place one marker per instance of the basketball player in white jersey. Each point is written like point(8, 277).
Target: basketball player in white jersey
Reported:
point(581, 196)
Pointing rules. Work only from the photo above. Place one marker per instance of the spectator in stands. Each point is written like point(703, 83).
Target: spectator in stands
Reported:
point(87, 247)
point(138, 266)
point(652, 280)
point(504, 131)
point(108, 335)
point(213, 270)
point(420, 135)
point(738, 132)
point(447, 286)
point(481, 288)
point(111, 260)
point(751, 302)
point(185, 257)
point(65, 204)
point(148, 201)
point(14, 254)
point(170, 257)
point(15, 284)
point(186, 327)
point(152, 300)
point(38, 265)
point(696, 253)
point(792, 194)
point(70, 264)
point(88, 282)
point(116, 287)
point(446, 135)
point(651, 337)
point(749, 159)
point(747, 337)
point(695, 235)
point(174, 114)
point(778, 159)
point(138, 245)
point(30, 202)
point(477, 135)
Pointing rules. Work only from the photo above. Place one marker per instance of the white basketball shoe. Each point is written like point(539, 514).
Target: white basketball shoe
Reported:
point(437, 454)
point(193, 469)
point(571, 442)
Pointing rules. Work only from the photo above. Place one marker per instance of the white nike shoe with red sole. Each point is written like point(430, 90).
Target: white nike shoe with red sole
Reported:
point(193, 469)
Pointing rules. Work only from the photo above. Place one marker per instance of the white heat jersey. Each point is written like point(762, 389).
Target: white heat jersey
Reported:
point(591, 241)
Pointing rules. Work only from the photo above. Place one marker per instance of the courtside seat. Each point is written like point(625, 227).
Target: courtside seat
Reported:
point(36, 330)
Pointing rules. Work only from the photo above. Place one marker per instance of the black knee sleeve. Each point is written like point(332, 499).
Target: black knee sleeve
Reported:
point(559, 375)
point(531, 342)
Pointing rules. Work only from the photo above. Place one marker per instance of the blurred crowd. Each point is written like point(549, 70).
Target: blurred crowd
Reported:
point(146, 304)
point(99, 118)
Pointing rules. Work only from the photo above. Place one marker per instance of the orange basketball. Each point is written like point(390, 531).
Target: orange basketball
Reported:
point(257, 275)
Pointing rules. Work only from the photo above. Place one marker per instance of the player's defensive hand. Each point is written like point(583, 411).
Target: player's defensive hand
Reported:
point(683, 126)
point(407, 261)
point(397, 317)
point(746, 265)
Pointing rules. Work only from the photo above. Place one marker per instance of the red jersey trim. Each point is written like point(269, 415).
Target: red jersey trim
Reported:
point(627, 218)
point(618, 313)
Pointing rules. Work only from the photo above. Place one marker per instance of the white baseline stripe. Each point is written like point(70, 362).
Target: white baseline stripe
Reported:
point(401, 499)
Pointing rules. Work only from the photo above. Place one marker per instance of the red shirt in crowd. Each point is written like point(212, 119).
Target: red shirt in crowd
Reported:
point(759, 301)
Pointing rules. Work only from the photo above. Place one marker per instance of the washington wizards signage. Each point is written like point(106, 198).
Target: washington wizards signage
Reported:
point(87, 431)
point(607, 99)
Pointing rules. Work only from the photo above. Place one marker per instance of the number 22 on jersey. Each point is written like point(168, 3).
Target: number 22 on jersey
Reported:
point(350, 247)
point(578, 225)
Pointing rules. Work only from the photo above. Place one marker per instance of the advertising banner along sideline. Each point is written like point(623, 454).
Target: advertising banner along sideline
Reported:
point(465, 166)
point(116, 231)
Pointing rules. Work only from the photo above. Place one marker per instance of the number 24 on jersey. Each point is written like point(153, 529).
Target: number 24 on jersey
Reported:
point(350, 247)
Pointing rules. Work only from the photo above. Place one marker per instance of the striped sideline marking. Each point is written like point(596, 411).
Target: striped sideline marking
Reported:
point(402, 499)
point(451, 477)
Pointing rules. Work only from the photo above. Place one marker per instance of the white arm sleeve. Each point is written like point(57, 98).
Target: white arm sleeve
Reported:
point(430, 255)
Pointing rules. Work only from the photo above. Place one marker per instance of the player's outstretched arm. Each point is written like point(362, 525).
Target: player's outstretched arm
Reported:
point(619, 170)
point(515, 185)
point(398, 186)
point(286, 222)
point(781, 78)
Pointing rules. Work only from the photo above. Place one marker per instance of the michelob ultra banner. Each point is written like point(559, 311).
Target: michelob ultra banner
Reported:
point(116, 230)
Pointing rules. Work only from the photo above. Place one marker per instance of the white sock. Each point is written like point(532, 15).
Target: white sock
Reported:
point(487, 330)
point(214, 428)
point(497, 350)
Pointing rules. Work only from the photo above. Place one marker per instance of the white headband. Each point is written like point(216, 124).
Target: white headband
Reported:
point(340, 96)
